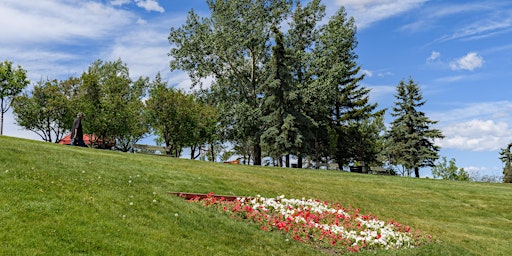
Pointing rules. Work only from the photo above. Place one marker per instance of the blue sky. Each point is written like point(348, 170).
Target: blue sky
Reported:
point(459, 52)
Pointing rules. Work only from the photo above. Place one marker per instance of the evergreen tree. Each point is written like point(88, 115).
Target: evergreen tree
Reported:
point(410, 140)
point(339, 80)
point(300, 40)
point(506, 158)
point(282, 117)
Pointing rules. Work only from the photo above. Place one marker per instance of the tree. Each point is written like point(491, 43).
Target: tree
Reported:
point(12, 82)
point(282, 134)
point(338, 80)
point(411, 140)
point(111, 102)
point(300, 41)
point(133, 126)
point(46, 110)
point(449, 171)
point(232, 46)
point(171, 115)
point(506, 158)
point(204, 132)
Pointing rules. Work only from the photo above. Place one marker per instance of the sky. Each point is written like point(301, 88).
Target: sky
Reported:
point(459, 52)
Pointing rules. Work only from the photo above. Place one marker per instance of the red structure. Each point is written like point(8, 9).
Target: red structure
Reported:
point(89, 139)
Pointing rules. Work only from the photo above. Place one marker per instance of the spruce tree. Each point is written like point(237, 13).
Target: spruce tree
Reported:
point(339, 80)
point(282, 134)
point(300, 40)
point(411, 140)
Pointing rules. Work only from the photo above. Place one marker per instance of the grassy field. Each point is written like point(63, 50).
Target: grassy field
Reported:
point(62, 200)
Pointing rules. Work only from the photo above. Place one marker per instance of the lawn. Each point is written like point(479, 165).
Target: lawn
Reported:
point(63, 200)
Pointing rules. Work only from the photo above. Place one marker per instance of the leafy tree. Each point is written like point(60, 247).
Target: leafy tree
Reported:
point(12, 82)
point(410, 140)
point(204, 132)
point(449, 171)
point(171, 115)
point(232, 46)
point(112, 102)
point(134, 126)
point(46, 111)
point(339, 82)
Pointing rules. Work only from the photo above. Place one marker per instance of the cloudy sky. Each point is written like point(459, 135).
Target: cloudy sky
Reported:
point(459, 52)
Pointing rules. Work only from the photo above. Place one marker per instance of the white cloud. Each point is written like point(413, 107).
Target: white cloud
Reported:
point(384, 74)
point(483, 126)
point(367, 73)
point(498, 111)
point(29, 22)
point(469, 62)
point(476, 135)
point(150, 5)
point(434, 56)
point(119, 2)
point(367, 12)
point(494, 23)
point(380, 92)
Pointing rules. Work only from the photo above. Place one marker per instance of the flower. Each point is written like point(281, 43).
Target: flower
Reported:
point(319, 223)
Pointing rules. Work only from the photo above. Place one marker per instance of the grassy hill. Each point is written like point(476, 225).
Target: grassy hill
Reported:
point(62, 200)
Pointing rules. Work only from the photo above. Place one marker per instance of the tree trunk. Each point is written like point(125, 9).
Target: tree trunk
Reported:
point(212, 152)
point(417, 172)
point(299, 162)
point(2, 121)
point(257, 154)
point(287, 159)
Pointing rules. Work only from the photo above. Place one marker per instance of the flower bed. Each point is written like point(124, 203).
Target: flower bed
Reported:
point(324, 225)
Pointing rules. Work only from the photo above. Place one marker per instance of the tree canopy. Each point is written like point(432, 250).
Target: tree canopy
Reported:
point(411, 140)
point(286, 92)
point(12, 82)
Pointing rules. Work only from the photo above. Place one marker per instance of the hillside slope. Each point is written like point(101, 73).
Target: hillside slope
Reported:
point(63, 200)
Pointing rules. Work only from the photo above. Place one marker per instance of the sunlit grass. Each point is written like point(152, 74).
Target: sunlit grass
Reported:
point(61, 200)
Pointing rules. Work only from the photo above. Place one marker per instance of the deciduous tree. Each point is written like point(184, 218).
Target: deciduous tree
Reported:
point(449, 171)
point(12, 82)
point(232, 46)
point(111, 102)
point(46, 110)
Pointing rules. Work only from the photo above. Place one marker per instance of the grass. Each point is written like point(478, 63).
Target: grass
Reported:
point(62, 200)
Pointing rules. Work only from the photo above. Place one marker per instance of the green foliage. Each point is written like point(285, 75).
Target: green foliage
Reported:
point(12, 82)
point(112, 103)
point(410, 140)
point(449, 171)
point(290, 92)
point(347, 100)
point(47, 111)
point(233, 46)
point(92, 202)
point(179, 120)
point(506, 158)
point(282, 116)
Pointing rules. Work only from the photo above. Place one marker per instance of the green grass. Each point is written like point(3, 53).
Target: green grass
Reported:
point(62, 200)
